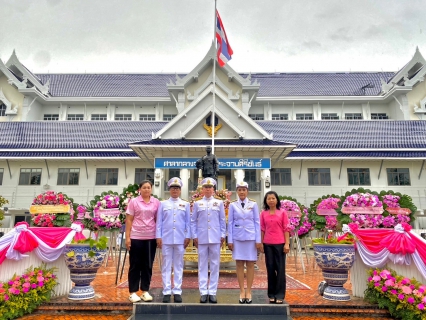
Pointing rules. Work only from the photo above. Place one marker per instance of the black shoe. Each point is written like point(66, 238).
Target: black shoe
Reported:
point(177, 298)
point(242, 300)
point(212, 299)
point(203, 298)
point(248, 301)
point(166, 298)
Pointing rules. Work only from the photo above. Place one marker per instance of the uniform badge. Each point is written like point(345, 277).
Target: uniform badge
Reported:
point(181, 205)
point(215, 204)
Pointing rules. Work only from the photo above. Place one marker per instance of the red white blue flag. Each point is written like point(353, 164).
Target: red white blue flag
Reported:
point(224, 51)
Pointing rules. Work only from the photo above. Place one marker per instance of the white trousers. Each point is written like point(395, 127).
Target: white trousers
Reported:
point(172, 255)
point(206, 253)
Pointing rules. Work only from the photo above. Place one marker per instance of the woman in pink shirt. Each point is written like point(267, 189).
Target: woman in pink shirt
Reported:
point(275, 239)
point(140, 241)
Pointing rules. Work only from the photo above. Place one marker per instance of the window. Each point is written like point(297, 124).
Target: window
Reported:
point(359, 177)
point(257, 116)
point(29, 177)
point(2, 109)
point(281, 177)
point(125, 117)
point(304, 116)
point(142, 174)
point(329, 116)
point(398, 176)
point(51, 117)
point(147, 117)
point(353, 116)
point(174, 173)
point(76, 117)
point(319, 177)
point(98, 117)
point(168, 117)
point(279, 116)
point(106, 177)
point(1, 176)
point(379, 116)
point(68, 176)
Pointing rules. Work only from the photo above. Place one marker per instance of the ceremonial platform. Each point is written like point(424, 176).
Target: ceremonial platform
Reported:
point(302, 299)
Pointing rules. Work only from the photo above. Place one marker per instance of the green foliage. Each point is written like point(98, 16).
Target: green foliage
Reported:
point(28, 292)
point(348, 240)
point(3, 201)
point(100, 244)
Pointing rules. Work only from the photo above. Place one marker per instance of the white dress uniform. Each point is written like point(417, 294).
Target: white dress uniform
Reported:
point(173, 227)
point(208, 226)
point(244, 229)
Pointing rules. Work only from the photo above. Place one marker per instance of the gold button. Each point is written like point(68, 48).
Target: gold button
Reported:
point(209, 227)
point(208, 220)
point(174, 228)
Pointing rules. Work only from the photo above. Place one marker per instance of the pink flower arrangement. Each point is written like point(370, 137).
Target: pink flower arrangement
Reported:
point(81, 212)
point(367, 220)
point(362, 200)
point(108, 201)
point(52, 198)
point(306, 225)
point(391, 201)
point(107, 222)
point(34, 287)
point(43, 220)
point(329, 203)
point(409, 293)
point(331, 223)
point(294, 220)
point(289, 205)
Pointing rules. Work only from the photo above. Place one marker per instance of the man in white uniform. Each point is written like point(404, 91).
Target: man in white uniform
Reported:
point(173, 234)
point(208, 231)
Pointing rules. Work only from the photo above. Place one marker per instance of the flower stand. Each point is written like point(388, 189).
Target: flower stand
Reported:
point(335, 260)
point(83, 268)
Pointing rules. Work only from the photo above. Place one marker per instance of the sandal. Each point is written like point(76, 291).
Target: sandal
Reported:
point(279, 301)
point(271, 300)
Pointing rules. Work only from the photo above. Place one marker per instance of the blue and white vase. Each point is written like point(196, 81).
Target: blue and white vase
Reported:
point(335, 260)
point(83, 269)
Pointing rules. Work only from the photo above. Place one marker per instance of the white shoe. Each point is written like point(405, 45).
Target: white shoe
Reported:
point(146, 296)
point(134, 298)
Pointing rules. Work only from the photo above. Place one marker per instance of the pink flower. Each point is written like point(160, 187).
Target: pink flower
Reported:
point(389, 283)
point(6, 297)
point(420, 306)
point(33, 286)
point(411, 300)
point(369, 279)
point(406, 281)
point(384, 274)
point(26, 285)
point(424, 299)
point(384, 288)
point(25, 290)
point(40, 278)
point(406, 290)
point(376, 278)
point(401, 296)
point(41, 283)
point(393, 291)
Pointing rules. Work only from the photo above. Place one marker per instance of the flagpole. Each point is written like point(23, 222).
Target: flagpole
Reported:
point(214, 76)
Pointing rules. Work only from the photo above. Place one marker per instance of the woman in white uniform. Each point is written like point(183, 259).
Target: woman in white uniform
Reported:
point(244, 238)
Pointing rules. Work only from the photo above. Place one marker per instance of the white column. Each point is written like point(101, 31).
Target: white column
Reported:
point(265, 177)
point(158, 183)
point(184, 176)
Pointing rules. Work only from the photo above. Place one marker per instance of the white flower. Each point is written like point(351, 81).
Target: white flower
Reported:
point(103, 202)
point(101, 208)
point(102, 216)
point(111, 219)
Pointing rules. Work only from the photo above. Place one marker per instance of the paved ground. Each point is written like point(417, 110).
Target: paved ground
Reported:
point(304, 304)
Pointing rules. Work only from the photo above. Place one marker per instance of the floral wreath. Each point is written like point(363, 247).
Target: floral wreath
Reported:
point(324, 222)
point(290, 204)
point(47, 219)
point(100, 217)
point(398, 208)
point(130, 192)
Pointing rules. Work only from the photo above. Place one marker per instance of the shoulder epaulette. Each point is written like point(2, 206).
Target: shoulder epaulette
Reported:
point(184, 200)
point(252, 200)
point(218, 198)
point(233, 200)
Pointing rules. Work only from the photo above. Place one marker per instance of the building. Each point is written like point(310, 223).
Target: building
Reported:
point(300, 134)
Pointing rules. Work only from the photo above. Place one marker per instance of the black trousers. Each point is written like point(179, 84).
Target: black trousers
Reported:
point(141, 257)
point(275, 268)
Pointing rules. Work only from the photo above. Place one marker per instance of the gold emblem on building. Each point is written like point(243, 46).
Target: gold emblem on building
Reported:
point(209, 129)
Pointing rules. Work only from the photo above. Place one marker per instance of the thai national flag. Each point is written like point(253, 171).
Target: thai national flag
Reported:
point(224, 51)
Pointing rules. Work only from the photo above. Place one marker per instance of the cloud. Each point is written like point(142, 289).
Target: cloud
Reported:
point(342, 34)
point(42, 58)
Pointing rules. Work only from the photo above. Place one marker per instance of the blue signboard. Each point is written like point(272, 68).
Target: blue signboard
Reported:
point(224, 163)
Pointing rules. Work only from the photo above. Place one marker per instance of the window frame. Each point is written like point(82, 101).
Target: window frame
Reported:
point(125, 116)
point(329, 116)
point(1, 176)
point(107, 178)
point(379, 116)
point(101, 116)
point(76, 116)
point(279, 116)
point(68, 177)
point(30, 176)
point(169, 117)
point(148, 116)
point(354, 117)
point(358, 173)
point(310, 115)
point(51, 117)
point(319, 174)
point(397, 174)
point(145, 173)
point(257, 116)
point(282, 175)
point(3, 108)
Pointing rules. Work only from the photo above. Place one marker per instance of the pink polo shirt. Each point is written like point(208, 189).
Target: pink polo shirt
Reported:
point(274, 226)
point(144, 217)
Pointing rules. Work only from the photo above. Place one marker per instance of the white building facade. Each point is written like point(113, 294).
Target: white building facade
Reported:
point(301, 134)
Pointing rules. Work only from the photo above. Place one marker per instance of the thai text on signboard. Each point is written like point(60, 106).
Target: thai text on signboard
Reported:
point(224, 163)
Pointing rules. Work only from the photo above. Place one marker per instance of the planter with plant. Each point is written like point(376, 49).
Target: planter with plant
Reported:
point(335, 256)
point(84, 258)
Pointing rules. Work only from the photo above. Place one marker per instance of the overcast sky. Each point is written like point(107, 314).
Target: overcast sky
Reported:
point(144, 36)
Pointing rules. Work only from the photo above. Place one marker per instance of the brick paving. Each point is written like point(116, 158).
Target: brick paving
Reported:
point(304, 304)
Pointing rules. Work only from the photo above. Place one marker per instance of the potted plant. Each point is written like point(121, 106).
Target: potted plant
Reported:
point(335, 256)
point(84, 258)
point(3, 201)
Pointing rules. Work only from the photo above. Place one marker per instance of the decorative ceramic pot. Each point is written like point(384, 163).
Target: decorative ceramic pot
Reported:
point(83, 269)
point(335, 260)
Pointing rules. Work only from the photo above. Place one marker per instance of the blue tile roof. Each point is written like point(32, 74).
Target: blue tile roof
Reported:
point(78, 154)
point(357, 154)
point(117, 135)
point(271, 84)
point(372, 134)
point(75, 134)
